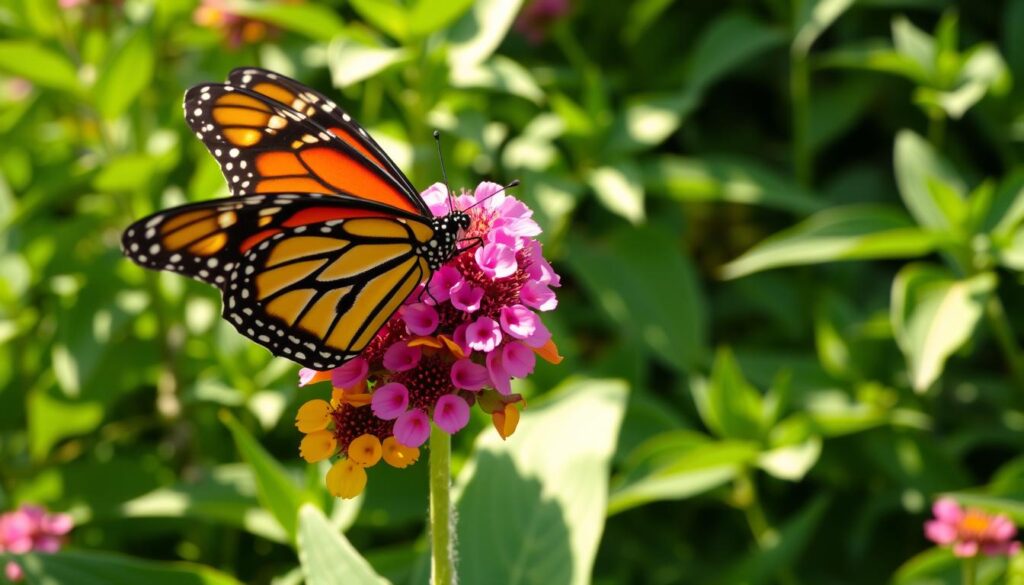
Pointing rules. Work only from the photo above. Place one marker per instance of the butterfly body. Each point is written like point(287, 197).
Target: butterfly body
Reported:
point(323, 238)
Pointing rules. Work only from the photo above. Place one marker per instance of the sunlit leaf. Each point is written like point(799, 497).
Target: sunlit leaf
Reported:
point(351, 61)
point(728, 404)
point(620, 189)
point(814, 19)
point(427, 16)
point(475, 36)
point(50, 420)
point(390, 16)
point(39, 64)
point(96, 568)
point(317, 22)
point(328, 558)
point(125, 76)
point(499, 73)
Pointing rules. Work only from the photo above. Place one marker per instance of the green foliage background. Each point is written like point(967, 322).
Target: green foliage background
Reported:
point(791, 240)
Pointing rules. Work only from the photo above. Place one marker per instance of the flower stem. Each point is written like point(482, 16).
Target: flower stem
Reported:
point(1004, 336)
point(442, 569)
point(969, 571)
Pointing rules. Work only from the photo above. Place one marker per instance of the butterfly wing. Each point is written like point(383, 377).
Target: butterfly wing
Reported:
point(265, 146)
point(311, 278)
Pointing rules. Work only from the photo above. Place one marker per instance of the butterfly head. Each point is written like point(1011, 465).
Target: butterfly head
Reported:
point(444, 245)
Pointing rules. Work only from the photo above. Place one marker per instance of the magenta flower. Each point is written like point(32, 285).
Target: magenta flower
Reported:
point(455, 345)
point(538, 16)
point(31, 528)
point(971, 531)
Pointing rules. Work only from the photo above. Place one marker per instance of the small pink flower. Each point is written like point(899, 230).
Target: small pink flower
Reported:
point(451, 413)
point(436, 198)
point(538, 296)
point(420, 318)
point(466, 297)
point(970, 531)
point(350, 374)
point(13, 571)
point(519, 322)
point(31, 528)
point(400, 357)
point(500, 378)
point(496, 260)
point(444, 280)
point(468, 375)
point(484, 334)
point(412, 428)
point(390, 401)
point(518, 360)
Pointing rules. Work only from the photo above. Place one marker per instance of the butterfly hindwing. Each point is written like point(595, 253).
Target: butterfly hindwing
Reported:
point(265, 146)
point(311, 278)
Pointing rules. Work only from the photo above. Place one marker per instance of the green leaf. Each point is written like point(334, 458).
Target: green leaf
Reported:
point(729, 405)
point(642, 14)
point(677, 465)
point(730, 179)
point(328, 558)
point(668, 318)
point(545, 506)
point(428, 16)
point(814, 19)
point(930, 188)
point(499, 73)
point(50, 420)
point(648, 120)
point(351, 61)
point(914, 43)
point(317, 22)
point(880, 59)
point(277, 492)
point(390, 16)
point(791, 462)
point(96, 568)
point(728, 42)
point(39, 64)
point(933, 315)
point(619, 188)
point(854, 232)
point(479, 32)
point(125, 76)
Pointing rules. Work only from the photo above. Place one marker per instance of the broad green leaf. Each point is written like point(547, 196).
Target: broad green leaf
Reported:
point(930, 188)
point(390, 16)
point(39, 64)
point(933, 315)
point(1007, 209)
point(914, 43)
point(733, 180)
point(499, 73)
point(728, 42)
point(854, 232)
point(648, 120)
point(668, 318)
point(642, 14)
point(814, 19)
point(729, 405)
point(531, 509)
point(881, 59)
point(351, 61)
point(620, 189)
point(475, 36)
point(677, 465)
point(96, 568)
point(50, 420)
point(938, 566)
point(277, 492)
point(327, 557)
point(127, 73)
point(317, 22)
point(427, 16)
point(780, 552)
point(791, 462)
point(227, 494)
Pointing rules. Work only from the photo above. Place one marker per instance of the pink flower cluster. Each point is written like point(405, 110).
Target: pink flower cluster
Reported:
point(459, 342)
point(31, 528)
point(970, 531)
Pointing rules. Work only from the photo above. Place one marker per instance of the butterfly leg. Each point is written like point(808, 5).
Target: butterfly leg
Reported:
point(426, 289)
point(473, 242)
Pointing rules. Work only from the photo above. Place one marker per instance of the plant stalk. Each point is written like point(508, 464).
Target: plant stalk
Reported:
point(969, 571)
point(442, 563)
point(1004, 337)
point(800, 100)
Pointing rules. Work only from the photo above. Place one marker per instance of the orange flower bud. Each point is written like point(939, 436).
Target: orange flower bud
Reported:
point(506, 421)
point(314, 415)
point(346, 479)
point(398, 455)
point(365, 450)
point(317, 446)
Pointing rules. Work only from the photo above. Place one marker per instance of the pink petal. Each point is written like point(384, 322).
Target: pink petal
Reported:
point(539, 269)
point(466, 297)
point(390, 401)
point(436, 198)
point(468, 375)
point(412, 428)
point(58, 524)
point(518, 321)
point(538, 296)
point(1001, 528)
point(420, 318)
point(13, 571)
point(484, 334)
point(459, 337)
point(496, 260)
point(947, 510)
point(518, 359)
point(442, 282)
point(500, 378)
point(451, 413)
point(306, 375)
point(351, 374)
point(489, 191)
point(967, 548)
point(400, 357)
point(48, 544)
point(939, 532)
point(539, 337)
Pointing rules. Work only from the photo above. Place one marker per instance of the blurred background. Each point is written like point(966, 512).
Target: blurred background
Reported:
point(790, 241)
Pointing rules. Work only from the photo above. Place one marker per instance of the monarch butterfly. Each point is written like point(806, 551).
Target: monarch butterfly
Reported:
point(323, 238)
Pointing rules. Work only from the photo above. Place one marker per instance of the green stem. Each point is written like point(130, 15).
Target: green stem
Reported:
point(936, 128)
point(764, 534)
point(969, 571)
point(1004, 336)
point(800, 97)
point(442, 568)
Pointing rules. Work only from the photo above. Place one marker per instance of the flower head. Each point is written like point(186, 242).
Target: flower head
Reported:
point(237, 30)
point(31, 528)
point(456, 343)
point(971, 531)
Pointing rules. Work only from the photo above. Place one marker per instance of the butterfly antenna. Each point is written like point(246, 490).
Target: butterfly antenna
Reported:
point(444, 174)
point(513, 183)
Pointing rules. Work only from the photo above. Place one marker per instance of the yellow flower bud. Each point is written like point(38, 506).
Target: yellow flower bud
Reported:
point(398, 455)
point(365, 450)
point(317, 446)
point(314, 415)
point(346, 479)
point(506, 420)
